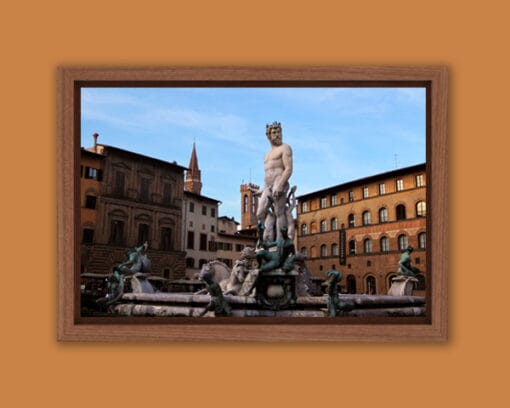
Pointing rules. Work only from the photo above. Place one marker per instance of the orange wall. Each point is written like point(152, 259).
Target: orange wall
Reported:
point(470, 39)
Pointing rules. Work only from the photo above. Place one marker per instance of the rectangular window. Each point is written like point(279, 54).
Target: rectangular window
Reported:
point(191, 207)
point(144, 189)
point(167, 193)
point(91, 173)
point(333, 200)
point(225, 246)
point(365, 192)
point(120, 180)
point(88, 236)
point(304, 207)
point(203, 242)
point(324, 202)
point(143, 233)
point(213, 229)
point(419, 180)
point(351, 195)
point(204, 210)
point(191, 240)
point(400, 185)
point(212, 246)
point(117, 232)
point(166, 239)
point(239, 247)
point(213, 212)
point(382, 189)
point(90, 201)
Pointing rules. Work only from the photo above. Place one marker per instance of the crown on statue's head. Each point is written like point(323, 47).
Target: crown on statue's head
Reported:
point(275, 124)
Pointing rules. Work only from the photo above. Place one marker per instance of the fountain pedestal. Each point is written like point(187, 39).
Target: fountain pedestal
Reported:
point(276, 289)
point(140, 284)
point(402, 286)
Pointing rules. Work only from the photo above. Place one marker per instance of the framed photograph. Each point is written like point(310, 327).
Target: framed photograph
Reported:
point(252, 204)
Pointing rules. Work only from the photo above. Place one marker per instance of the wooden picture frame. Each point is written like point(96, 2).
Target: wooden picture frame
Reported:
point(72, 328)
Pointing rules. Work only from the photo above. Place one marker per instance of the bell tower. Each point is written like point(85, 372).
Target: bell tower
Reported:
point(192, 182)
point(249, 205)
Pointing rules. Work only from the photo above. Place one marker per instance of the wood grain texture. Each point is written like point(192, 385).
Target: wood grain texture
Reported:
point(72, 328)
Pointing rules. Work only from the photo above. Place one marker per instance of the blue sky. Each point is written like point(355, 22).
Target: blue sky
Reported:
point(336, 134)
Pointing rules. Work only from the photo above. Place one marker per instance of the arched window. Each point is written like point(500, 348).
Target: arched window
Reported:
point(313, 227)
point(87, 235)
point(334, 249)
point(366, 217)
point(367, 245)
point(245, 203)
point(402, 242)
point(202, 262)
point(421, 209)
point(167, 273)
point(313, 252)
point(304, 229)
point(253, 204)
point(351, 284)
point(324, 250)
point(401, 212)
point(334, 224)
point(352, 247)
point(422, 240)
point(304, 251)
point(385, 244)
point(371, 288)
point(323, 226)
point(351, 220)
point(383, 215)
point(90, 201)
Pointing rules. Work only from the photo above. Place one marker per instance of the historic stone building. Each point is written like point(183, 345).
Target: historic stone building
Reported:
point(361, 228)
point(200, 220)
point(200, 225)
point(231, 241)
point(91, 176)
point(127, 199)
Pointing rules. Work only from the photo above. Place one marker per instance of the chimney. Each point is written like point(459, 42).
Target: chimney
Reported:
point(95, 136)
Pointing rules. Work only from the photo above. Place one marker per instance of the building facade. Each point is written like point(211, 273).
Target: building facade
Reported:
point(362, 227)
point(200, 222)
point(127, 199)
point(231, 242)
